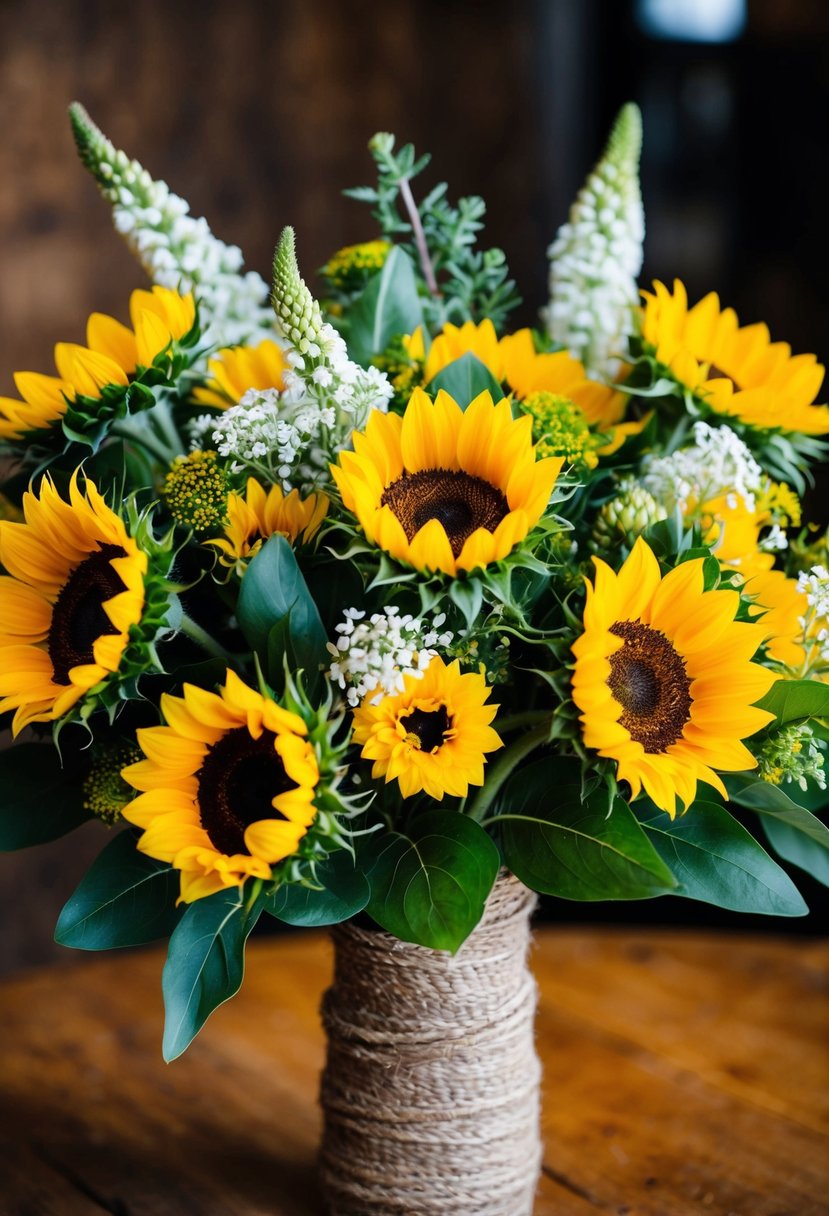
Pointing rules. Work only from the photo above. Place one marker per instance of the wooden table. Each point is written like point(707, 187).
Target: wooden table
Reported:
point(684, 1073)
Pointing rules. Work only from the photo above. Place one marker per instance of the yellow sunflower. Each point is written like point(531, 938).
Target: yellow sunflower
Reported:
point(734, 370)
point(259, 514)
point(227, 786)
point(74, 588)
point(236, 369)
point(434, 735)
point(664, 679)
point(515, 361)
point(733, 530)
point(783, 607)
point(113, 355)
point(446, 489)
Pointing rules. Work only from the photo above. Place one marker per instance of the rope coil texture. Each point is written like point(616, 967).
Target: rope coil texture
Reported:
point(431, 1088)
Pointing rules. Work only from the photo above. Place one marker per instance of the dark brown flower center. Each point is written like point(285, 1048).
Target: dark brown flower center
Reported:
point(78, 617)
point(238, 780)
point(649, 680)
point(716, 373)
point(460, 502)
point(427, 728)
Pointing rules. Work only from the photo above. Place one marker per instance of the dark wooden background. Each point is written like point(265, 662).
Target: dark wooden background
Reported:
point(259, 113)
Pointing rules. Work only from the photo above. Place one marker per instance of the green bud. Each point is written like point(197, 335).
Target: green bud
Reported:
point(298, 314)
point(625, 518)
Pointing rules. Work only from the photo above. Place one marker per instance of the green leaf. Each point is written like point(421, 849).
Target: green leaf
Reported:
point(430, 885)
point(125, 899)
point(557, 844)
point(39, 801)
point(205, 965)
point(345, 892)
point(798, 848)
point(718, 862)
point(771, 800)
point(278, 615)
point(464, 379)
point(793, 700)
point(389, 305)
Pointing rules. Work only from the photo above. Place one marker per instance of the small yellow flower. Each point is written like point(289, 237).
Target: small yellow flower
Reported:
point(259, 514)
point(196, 492)
point(434, 735)
point(227, 785)
point(352, 265)
point(732, 369)
point(236, 369)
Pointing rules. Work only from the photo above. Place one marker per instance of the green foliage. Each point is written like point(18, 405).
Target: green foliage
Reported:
point(278, 616)
point(430, 884)
point(39, 800)
point(205, 964)
point(469, 283)
point(560, 845)
point(797, 847)
point(793, 700)
point(125, 899)
point(718, 862)
point(464, 379)
point(342, 892)
point(389, 305)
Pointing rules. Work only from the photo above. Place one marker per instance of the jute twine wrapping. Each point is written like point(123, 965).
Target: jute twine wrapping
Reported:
point(431, 1087)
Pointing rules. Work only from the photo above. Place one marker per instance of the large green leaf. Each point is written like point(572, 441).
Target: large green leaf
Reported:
point(464, 379)
point(125, 899)
point(278, 615)
point(205, 965)
point(388, 306)
point(797, 847)
point(557, 844)
point(39, 801)
point(430, 885)
point(792, 700)
point(345, 892)
point(718, 862)
point(772, 800)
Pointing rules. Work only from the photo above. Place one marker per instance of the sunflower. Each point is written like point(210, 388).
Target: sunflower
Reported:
point(236, 369)
point(783, 605)
point(446, 489)
point(515, 361)
point(732, 528)
point(664, 679)
point(75, 587)
point(259, 514)
point(113, 356)
point(227, 786)
point(433, 736)
point(732, 369)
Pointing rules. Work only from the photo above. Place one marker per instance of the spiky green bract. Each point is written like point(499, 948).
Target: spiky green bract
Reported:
point(597, 255)
point(624, 518)
point(175, 249)
point(335, 806)
point(298, 315)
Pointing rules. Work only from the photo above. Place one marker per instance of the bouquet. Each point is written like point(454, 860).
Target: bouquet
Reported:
point(336, 604)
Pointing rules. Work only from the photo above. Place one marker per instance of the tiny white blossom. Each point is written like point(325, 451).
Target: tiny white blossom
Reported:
point(717, 463)
point(371, 658)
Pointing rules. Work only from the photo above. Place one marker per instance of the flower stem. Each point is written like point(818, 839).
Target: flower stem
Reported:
point(509, 760)
point(530, 717)
point(419, 236)
point(144, 438)
point(202, 638)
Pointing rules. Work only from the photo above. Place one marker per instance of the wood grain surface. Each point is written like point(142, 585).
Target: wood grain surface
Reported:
point(684, 1073)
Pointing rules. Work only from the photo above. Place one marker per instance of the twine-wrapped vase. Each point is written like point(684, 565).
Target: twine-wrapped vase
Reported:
point(431, 1088)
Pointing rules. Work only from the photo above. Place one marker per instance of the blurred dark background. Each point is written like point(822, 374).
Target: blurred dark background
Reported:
point(259, 114)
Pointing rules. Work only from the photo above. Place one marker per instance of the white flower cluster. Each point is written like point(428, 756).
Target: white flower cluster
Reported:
point(292, 436)
point(371, 657)
point(176, 249)
point(814, 585)
point(717, 463)
point(597, 255)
